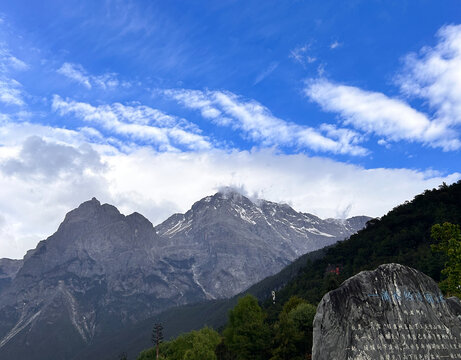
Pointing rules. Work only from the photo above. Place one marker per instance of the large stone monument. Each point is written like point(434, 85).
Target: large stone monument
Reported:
point(392, 313)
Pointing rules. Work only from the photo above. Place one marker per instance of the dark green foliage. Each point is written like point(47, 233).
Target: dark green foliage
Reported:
point(247, 336)
point(195, 345)
point(148, 354)
point(293, 330)
point(448, 242)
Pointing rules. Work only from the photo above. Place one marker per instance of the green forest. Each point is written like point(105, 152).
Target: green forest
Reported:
point(423, 233)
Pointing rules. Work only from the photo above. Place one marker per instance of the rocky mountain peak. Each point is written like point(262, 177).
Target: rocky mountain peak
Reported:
point(232, 196)
point(89, 204)
point(220, 202)
point(92, 210)
point(272, 207)
point(138, 219)
point(93, 233)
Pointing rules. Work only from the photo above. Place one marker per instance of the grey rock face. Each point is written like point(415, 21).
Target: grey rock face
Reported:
point(99, 271)
point(8, 271)
point(394, 312)
point(102, 270)
point(232, 242)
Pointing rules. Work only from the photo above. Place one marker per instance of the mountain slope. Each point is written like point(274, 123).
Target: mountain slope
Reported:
point(234, 242)
point(135, 338)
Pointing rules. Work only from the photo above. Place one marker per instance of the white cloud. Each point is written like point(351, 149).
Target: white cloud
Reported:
point(140, 123)
point(300, 55)
point(13, 132)
point(11, 92)
point(335, 44)
point(168, 182)
point(39, 187)
point(10, 62)
point(258, 124)
point(34, 207)
point(106, 81)
point(77, 73)
point(39, 158)
point(374, 112)
point(435, 75)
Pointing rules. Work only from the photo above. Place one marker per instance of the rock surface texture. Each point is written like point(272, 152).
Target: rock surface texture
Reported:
point(392, 313)
point(103, 270)
point(230, 242)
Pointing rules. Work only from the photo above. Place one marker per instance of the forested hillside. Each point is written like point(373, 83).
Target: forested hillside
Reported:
point(402, 236)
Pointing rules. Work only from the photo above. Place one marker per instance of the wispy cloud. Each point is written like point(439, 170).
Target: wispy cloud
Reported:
point(9, 61)
point(269, 70)
point(435, 75)
point(11, 92)
point(335, 44)
point(301, 55)
point(77, 73)
point(257, 123)
point(376, 113)
point(141, 123)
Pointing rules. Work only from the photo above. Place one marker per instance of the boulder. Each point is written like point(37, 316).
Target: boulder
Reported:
point(392, 313)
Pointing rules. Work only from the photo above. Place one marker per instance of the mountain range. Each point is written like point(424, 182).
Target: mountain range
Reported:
point(402, 236)
point(102, 270)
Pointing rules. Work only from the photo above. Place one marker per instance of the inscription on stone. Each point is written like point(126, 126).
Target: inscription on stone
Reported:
point(392, 313)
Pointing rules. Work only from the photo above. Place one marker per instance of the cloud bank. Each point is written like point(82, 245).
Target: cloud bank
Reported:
point(38, 189)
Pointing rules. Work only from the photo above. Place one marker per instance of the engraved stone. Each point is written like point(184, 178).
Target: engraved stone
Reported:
point(393, 313)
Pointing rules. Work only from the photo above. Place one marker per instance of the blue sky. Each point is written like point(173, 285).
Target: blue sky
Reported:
point(338, 108)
